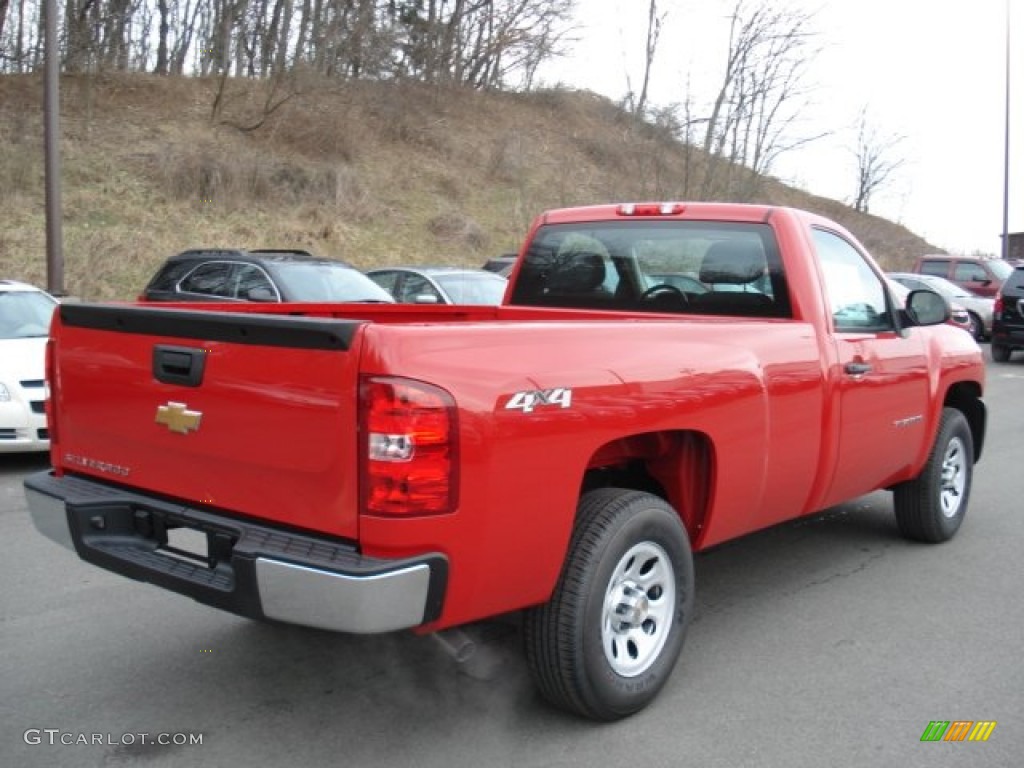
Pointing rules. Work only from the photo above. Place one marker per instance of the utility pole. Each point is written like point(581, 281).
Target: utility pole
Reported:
point(1006, 147)
point(51, 120)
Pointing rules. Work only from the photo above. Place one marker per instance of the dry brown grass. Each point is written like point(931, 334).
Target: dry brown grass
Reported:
point(372, 173)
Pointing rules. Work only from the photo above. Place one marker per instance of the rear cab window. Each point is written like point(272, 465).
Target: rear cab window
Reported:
point(689, 267)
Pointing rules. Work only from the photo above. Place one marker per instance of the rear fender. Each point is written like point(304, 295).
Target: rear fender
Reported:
point(675, 465)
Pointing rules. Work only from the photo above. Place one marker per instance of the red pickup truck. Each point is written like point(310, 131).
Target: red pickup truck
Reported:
point(659, 379)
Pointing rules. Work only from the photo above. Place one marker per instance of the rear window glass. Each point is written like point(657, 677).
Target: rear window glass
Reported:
point(691, 267)
point(1001, 269)
point(1015, 282)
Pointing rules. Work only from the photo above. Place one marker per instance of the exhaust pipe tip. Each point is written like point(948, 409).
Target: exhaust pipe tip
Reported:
point(456, 644)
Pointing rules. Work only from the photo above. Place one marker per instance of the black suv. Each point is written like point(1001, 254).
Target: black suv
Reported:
point(259, 275)
point(1008, 317)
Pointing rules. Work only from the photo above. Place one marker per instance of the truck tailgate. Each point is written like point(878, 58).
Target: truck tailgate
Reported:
point(253, 414)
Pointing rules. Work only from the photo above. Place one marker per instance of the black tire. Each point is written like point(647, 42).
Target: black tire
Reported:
point(627, 548)
point(977, 328)
point(1000, 353)
point(932, 506)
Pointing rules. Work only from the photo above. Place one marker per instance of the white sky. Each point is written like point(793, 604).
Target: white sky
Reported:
point(930, 71)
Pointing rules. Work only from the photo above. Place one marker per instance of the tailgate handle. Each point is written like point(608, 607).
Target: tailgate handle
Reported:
point(178, 365)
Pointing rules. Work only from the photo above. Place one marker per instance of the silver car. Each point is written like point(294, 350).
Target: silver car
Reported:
point(979, 308)
point(440, 285)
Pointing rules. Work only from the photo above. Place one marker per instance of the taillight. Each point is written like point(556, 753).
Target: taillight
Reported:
point(408, 447)
point(997, 307)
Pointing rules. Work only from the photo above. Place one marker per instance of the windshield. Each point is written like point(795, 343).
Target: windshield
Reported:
point(24, 314)
point(329, 282)
point(469, 288)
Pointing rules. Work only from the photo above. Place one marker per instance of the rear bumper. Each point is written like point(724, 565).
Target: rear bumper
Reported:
point(1008, 335)
point(246, 568)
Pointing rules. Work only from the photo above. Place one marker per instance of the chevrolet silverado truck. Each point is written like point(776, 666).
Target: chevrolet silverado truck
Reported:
point(660, 378)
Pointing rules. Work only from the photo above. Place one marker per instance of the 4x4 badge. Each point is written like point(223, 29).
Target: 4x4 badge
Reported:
point(178, 418)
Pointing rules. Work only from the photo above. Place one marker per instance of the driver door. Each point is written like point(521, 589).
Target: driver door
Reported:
point(880, 377)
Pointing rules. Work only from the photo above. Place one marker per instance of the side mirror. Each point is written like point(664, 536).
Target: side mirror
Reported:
point(927, 308)
point(260, 294)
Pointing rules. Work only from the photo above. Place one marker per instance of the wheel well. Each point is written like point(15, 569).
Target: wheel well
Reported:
point(966, 398)
point(676, 466)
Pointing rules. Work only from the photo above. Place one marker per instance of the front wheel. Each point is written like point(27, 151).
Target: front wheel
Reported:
point(609, 637)
point(932, 506)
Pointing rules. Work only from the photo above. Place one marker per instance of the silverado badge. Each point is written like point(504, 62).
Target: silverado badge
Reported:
point(178, 418)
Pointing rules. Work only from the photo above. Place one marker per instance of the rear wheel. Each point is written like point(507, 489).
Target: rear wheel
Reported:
point(1000, 353)
point(932, 506)
point(609, 637)
point(976, 329)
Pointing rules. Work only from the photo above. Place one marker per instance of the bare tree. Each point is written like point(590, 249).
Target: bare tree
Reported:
point(637, 103)
point(3, 16)
point(876, 160)
point(480, 43)
point(757, 103)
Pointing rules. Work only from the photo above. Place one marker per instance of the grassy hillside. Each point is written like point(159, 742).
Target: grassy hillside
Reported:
point(374, 173)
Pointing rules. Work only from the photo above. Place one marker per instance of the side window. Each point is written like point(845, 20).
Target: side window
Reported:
point(209, 279)
point(966, 272)
point(856, 294)
point(937, 267)
point(415, 285)
point(253, 282)
point(169, 275)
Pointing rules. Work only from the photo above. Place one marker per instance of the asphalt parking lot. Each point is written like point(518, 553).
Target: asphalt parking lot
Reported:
point(825, 642)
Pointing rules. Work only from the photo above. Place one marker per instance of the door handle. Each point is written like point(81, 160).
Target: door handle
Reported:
point(857, 369)
point(179, 365)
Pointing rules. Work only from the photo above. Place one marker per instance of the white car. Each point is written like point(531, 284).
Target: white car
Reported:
point(25, 313)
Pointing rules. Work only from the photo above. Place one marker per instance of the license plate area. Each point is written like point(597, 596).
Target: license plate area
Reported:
point(187, 544)
point(184, 540)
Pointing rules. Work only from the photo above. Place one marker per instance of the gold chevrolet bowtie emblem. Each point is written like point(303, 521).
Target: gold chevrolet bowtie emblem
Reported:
point(178, 418)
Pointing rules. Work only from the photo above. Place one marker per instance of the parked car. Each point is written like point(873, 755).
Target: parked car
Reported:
point(979, 308)
point(25, 313)
point(958, 316)
point(259, 275)
point(1008, 319)
point(502, 264)
point(440, 285)
point(980, 275)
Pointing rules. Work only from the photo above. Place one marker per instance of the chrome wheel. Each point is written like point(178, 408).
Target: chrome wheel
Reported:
point(954, 478)
point(638, 609)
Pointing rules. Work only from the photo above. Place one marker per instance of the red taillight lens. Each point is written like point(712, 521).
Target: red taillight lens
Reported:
point(997, 308)
point(408, 447)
